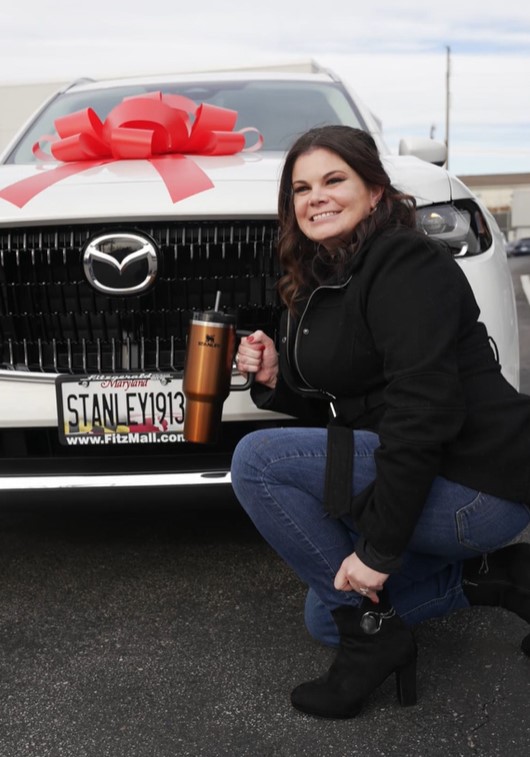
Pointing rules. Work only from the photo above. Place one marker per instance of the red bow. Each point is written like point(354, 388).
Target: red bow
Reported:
point(153, 127)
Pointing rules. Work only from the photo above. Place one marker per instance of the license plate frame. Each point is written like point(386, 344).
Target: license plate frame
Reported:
point(125, 408)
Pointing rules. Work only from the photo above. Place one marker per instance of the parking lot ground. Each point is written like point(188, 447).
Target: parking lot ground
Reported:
point(175, 634)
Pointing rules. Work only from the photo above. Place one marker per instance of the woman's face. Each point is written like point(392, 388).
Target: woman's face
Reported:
point(330, 198)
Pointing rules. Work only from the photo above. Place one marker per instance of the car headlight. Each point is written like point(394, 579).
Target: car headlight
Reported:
point(460, 224)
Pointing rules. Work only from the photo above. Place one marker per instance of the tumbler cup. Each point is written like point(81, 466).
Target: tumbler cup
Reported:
point(210, 352)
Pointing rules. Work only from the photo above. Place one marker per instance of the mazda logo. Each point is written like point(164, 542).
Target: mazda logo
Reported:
point(120, 264)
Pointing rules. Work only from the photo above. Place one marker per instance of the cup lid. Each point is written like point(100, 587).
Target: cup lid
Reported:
point(213, 316)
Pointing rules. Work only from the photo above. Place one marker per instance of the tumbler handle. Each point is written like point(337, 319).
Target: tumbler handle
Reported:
point(250, 376)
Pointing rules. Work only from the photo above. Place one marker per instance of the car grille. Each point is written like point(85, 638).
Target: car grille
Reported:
point(52, 320)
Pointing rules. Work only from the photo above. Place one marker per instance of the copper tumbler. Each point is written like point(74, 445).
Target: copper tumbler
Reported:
point(210, 352)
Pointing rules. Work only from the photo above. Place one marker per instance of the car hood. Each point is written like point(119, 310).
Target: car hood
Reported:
point(238, 186)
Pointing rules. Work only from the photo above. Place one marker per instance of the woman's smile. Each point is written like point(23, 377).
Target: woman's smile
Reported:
point(324, 216)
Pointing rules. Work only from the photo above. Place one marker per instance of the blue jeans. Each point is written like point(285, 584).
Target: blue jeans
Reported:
point(278, 477)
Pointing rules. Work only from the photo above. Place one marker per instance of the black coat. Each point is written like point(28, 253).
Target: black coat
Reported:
point(400, 347)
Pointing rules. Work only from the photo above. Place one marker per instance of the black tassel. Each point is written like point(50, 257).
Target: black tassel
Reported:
point(339, 470)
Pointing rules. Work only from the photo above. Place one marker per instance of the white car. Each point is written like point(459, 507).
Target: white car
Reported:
point(116, 225)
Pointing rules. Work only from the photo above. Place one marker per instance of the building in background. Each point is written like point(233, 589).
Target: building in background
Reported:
point(507, 197)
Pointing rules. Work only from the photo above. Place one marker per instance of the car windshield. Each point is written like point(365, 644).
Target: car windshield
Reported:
point(280, 110)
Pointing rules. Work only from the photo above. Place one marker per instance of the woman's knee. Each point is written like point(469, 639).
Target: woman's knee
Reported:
point(268, 448)
point(244, 458)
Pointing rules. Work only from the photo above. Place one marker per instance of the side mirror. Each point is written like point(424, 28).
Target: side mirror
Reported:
point(425, 149)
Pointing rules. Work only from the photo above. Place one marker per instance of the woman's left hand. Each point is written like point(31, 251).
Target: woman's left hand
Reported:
point(354, 575)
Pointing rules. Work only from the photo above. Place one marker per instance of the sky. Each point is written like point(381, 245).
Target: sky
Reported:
point(420, 67)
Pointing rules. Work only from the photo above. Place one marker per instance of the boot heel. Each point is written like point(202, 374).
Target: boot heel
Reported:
point(406, 684)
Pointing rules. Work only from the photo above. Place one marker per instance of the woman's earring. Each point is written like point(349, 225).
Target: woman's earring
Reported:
point(372, 211)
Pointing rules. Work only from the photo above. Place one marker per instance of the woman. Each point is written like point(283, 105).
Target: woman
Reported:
point(389, 513)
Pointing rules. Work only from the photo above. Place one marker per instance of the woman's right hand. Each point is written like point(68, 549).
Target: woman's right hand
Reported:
point(257, 354)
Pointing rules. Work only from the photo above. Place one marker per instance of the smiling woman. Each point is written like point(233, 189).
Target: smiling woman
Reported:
point(401, 509)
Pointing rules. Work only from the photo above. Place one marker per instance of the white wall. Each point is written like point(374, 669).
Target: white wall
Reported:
point(493, 197)
point(521, 213)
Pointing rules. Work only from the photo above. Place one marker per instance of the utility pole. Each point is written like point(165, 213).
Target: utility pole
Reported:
point(447, 100)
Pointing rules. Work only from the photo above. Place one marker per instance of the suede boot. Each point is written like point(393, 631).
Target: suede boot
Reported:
point(501, 579)
point(374, 643)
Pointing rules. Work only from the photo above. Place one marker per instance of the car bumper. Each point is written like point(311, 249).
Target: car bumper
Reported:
point(11, 483)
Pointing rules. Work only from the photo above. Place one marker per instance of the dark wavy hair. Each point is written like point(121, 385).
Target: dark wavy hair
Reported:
point(305, 264)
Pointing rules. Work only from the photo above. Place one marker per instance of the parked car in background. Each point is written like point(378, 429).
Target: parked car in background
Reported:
point(518, 247)
point(118, 220)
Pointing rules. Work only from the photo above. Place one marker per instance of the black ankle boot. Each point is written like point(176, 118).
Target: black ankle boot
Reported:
point(374, 643)
point(501, 579)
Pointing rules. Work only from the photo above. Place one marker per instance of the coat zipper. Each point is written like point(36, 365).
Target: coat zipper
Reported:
point(328, 395)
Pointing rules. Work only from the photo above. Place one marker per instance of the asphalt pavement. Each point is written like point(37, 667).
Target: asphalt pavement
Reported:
point(165, 634)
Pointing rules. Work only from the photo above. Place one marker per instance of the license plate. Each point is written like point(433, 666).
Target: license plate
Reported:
point(120, 409)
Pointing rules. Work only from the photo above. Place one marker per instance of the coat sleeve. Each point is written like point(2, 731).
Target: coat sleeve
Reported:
point(415, 298)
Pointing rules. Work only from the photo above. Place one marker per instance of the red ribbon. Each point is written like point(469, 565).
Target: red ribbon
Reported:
point(153, 127)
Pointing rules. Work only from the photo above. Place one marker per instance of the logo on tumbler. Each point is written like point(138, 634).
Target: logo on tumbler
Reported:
point(209, 342)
